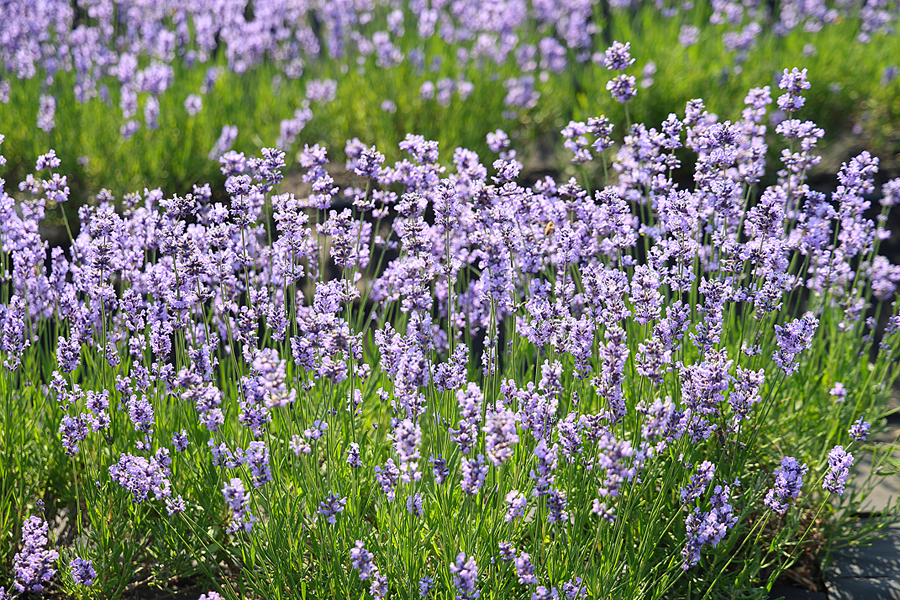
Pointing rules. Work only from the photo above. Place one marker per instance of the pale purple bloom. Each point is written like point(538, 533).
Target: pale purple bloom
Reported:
point(838, 391)
point(465, 577)
point(859, 431)
point(414, 505)
point(525, 569)
point(788, 481)
point(793, 82)
point(332, 506)
point(361, 559)
point(239, 502)
point(618, 57)
point(516, 502)
point(622, 88)
point(46, 117)
point(426, 584)
point(474, 470)
point(501, 434)
point(83, 572)
point(708, 527)
point(193, 104)
point(839, 463)
point(34, 565)
point(180, 440)
point(699, 482)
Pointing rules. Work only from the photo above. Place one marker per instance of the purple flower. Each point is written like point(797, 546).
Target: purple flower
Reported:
point(622, 88)
point(708, 527)
point(353, 458)
point(556, 506)
point(140, 476)
point(618, 57)
point(474, 470)
point(46, 113)
point(525, 569)
point(47, 161)
point(498, 141)
point(193, 104)
point(439, 469)
point(211, 596)
point(839, 463)
point(859, 431)
point(388, 477)
point(542, 593)
point(688, 35)
point(318, 430)
point(361, 559)
point(83, 572)
point(466, 433)
point(501, 435)
point(239, 502)
point(465, 577)
point(699, 481)
point(788, 481)
point(414, 505)
point(544, 476)
point(792, 339)
point(224, 143)
point(332, 506)
point(793, 82)
point(838, 391)
point(256, 457)
point(74, 430)
point(34, 564)
point(573, 134)
point(426, 584)
point(180, 440)
point(575, 589)
point(516, 502)
point(601, 128)
point(141, 413)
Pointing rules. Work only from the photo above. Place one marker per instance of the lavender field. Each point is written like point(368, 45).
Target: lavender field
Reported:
point(476, 300)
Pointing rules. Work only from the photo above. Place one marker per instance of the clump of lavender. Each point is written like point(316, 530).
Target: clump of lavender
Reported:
point(792, 339)
point(35, 564)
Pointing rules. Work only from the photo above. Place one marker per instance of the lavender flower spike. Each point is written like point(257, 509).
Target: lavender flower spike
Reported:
point(839, 463)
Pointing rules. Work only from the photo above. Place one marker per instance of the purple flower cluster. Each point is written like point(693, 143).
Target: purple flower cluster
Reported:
point(35, 564)
point(465, 577)
point(839, 463)
point(708, 528)
point(83, 572)
point(788, 481)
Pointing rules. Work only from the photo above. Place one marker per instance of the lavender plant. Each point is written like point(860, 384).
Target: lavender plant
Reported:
point(440, 382)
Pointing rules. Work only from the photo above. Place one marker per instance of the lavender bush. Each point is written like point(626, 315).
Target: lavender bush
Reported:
point(441, 382)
